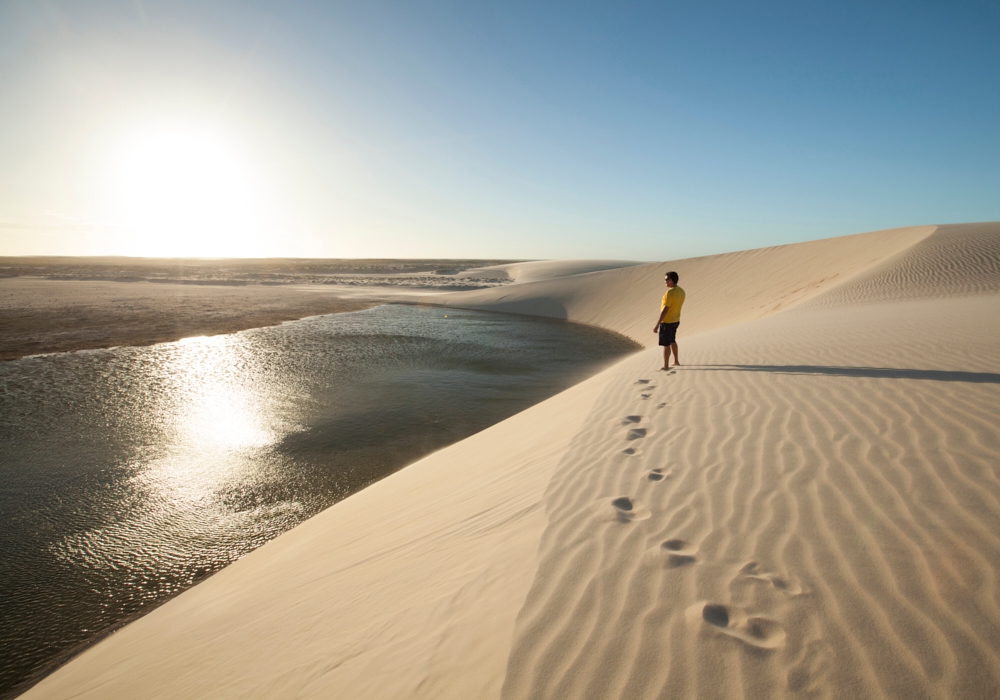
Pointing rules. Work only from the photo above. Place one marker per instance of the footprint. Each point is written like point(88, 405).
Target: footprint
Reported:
point(659, 474)
point(717, 615)
point(679, 553)
point(784, 584)
point(628, 451)
point(644, 396)
point(660, 405)
point(635, 434)
point(643, 381)
point(628, 420)
point(627, 510)
point(753, 630)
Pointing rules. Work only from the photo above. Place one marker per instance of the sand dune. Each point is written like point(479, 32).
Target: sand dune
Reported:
point(809, 508)
point(543, 269)
point(957, 260)
point(819, 500)
point(722, 289)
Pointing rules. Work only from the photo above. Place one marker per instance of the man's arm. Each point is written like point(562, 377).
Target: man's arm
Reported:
point(663, 315)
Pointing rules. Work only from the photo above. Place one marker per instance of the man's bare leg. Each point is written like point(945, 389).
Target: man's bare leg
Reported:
point(673, 346)
point(666, 357)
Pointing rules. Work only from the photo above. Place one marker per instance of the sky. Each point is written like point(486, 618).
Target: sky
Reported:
point(511, 130)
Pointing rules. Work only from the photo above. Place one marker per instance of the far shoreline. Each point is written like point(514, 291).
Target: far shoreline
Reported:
point(44, 316)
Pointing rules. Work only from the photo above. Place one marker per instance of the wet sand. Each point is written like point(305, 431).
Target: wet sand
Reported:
point(42, 315)
point(51, 304)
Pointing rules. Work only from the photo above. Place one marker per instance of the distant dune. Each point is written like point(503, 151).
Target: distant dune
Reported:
point(723, 289)
point(809, 507)
point(535, 270)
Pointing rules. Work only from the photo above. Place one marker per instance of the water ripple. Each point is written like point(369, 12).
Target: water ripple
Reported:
point(127, 475)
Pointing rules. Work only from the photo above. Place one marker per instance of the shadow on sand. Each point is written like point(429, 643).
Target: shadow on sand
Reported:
point(934, 375)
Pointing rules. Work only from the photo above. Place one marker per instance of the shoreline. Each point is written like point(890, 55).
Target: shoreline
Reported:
point(46, 315)
point(40, 317)
point(523, 398)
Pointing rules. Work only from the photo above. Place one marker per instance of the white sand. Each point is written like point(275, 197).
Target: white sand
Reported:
point(809, 508)
point(535, 270)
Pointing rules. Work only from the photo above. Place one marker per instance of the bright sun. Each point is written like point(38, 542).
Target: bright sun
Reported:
point(184, 192)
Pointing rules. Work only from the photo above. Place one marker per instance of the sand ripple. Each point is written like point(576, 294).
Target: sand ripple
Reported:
point(829, 528)
point(955, 260)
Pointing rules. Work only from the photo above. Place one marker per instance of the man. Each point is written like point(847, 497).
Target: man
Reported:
point(670, 318)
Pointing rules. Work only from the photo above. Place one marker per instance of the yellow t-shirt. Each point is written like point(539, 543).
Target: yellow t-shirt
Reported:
point(674, 298)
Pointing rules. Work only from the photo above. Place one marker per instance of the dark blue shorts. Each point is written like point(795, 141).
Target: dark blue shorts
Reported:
point(668, 333)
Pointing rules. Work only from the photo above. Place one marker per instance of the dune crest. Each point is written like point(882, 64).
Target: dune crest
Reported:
point(810, 507)
point(535, 270)
point(956, 260)
point(723, 290)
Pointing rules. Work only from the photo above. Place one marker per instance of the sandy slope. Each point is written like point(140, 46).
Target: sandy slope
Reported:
point(722, 289)
point(535, 270)
point(809, 508)
point(836, 498)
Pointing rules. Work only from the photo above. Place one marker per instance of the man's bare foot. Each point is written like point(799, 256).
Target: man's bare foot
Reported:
point(663, 369)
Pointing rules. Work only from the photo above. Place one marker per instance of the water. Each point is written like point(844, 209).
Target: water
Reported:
point(128, 475)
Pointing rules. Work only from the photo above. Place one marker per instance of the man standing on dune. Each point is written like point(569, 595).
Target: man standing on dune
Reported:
point(670, 318)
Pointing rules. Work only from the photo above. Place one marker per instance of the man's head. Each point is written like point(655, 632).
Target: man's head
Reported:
point(671, 278)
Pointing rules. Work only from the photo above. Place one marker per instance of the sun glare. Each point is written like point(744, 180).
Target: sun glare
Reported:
point(184, 192)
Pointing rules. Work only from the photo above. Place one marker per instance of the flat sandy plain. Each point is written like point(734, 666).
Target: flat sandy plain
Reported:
point(809, 507)
point(53, 304)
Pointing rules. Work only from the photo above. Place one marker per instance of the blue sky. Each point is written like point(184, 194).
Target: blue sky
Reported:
point(520, 130)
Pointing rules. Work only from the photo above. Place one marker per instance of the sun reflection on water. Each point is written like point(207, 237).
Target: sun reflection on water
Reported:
point(209, 425)
point(216, 415)
point(217, 408)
